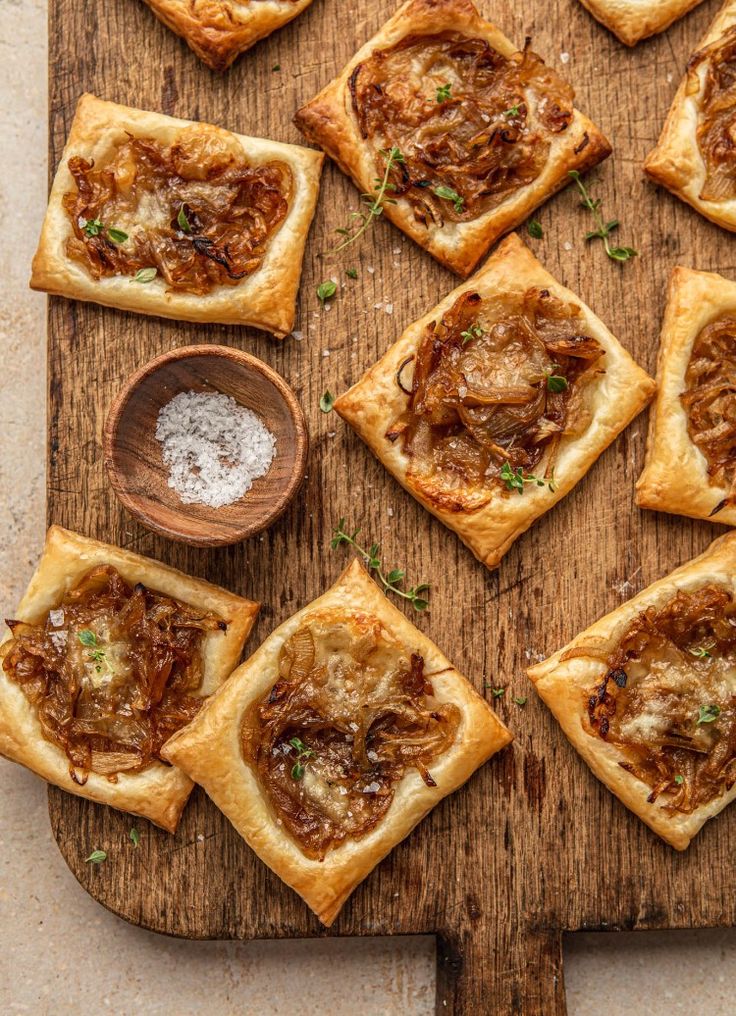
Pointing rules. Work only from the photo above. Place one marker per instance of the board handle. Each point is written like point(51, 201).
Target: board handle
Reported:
point(500, 972)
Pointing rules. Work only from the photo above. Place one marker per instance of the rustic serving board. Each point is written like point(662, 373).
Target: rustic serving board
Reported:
point(533, 845)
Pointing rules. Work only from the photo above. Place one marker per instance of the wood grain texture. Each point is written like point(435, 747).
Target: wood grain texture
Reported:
point(533, 845)
point(134, 460)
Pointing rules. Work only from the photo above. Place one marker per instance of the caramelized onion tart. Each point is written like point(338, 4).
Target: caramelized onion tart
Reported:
point(485, 132)
point(492, 406)
point(634, 20)
point(179, 219)
point(695, 156)
point(220, 30)
point(647, 695)
point(339, 734)
point(690, 466)
point(109, 654)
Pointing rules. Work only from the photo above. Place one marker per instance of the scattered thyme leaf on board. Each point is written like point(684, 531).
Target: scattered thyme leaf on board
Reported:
point(327, 401)
point(392, 582)
point(96, 857)
point(326, 290)
point(604, 229)
point(534, 229)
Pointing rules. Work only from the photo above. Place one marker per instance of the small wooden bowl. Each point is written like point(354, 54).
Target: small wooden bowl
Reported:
point(133, 455)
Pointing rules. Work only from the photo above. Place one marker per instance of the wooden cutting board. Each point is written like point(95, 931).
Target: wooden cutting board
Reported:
point(533, 845)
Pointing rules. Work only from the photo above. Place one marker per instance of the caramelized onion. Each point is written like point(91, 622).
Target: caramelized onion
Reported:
point(709, 400)
point(348, 716)
point(112, 672)
point(196, 211)
point(667, 666)
point(716, 131)
point(480, 394)
point(490, 136)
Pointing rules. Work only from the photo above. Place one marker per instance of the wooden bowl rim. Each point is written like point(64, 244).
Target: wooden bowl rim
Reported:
point(246, 360)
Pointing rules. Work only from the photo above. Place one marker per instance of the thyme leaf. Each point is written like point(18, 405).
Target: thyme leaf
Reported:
point(183, 221)
point(448, 194)
point(392, 582)
point(326, 290)
point(96, 857)
point(145, 275)
point(444, 92)
point(604, 229)
point(327, 401)
point(701, 652)
point(534, 229)
point(117, 235)
point(135, 836)
point(708, 714)
point(352, 273)
point(556, 383)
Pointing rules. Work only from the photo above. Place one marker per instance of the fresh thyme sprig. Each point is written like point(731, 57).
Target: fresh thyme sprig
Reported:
point(374, 202)
point(303, 754)
point(515, 479)
point(472, 332)
point(604, 228)
point(97, 655)
point(418, 596)
point(444, 92)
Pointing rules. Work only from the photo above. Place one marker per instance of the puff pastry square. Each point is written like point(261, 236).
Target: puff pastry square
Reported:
point(678, 162)
point(488, 516)
point(634, 20)
point(646, 696)
point(244, 270)
point(159, 791)
point(690, 463)
point(220, 30)
point(315, 762)
point(457, 98)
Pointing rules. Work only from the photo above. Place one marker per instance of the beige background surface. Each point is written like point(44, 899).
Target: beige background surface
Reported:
point(62, 953)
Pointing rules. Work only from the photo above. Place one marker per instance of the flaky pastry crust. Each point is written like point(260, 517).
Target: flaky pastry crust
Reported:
point(676, 161)
point(220, 30)
point(266, 299)
point(209, 750)
point(565, 685)
point(614, 397)
point(158, 792)
point(329, 121)
point(634, 20)
point(675, 477)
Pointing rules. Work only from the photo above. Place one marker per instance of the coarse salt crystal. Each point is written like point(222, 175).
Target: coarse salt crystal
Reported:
point(564, 58)
point(567, 245)
point(370, 269)
point(297, 335)
point(389, 308)
point(214, 448)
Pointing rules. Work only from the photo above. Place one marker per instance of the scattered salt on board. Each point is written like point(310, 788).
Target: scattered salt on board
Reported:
point(214, 448)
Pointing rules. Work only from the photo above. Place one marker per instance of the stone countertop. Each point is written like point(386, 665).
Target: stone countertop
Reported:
point(60, 952)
